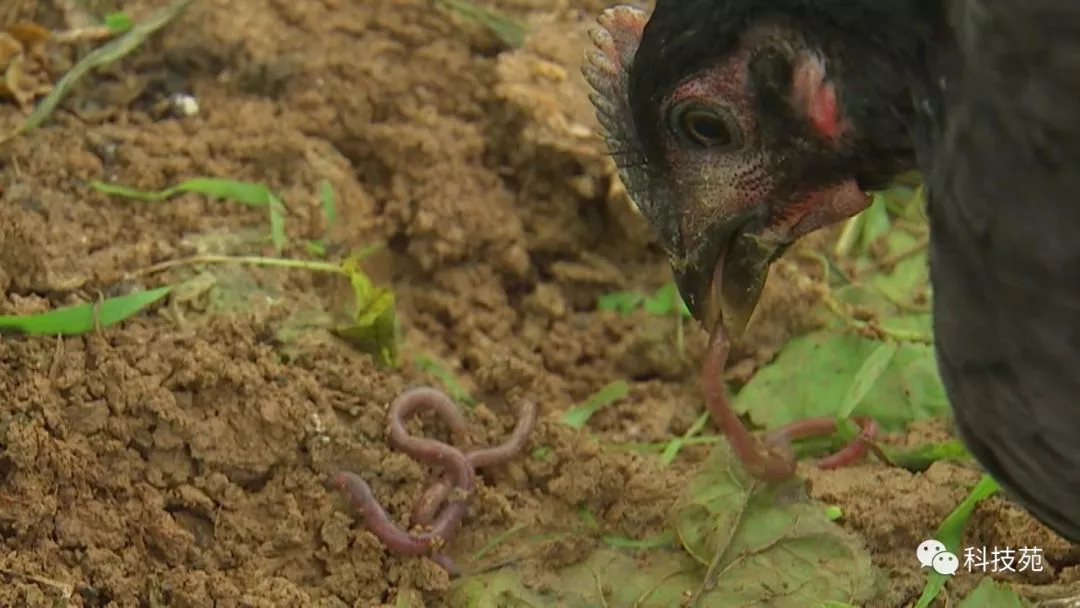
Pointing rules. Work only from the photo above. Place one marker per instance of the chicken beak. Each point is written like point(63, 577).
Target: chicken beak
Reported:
point(722, 269)
point(723, 281)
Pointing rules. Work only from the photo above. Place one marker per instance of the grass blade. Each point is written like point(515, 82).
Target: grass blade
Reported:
point(82, 318)
point(246, 193)
point(506, 29)
point(866, 377)
point(328, 202)
point(578, 416)
point(671, 450)
point(453, 387)
point(949, 532)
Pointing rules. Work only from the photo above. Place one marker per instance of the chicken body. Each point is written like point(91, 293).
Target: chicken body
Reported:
point(1002, 166)
point(740, 125)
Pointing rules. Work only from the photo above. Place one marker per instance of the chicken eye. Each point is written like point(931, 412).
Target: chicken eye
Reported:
point(706, 127)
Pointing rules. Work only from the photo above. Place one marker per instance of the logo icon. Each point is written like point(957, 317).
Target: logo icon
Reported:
point(932, 554)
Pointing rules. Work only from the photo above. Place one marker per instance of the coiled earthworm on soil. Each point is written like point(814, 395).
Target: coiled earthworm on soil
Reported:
point(771, 457)
point(432, 498)
point(451, 491)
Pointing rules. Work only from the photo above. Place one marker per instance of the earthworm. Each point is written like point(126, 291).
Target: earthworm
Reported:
point(459, 474)
point(393, 537)
point(770, 459)
point(430, 501)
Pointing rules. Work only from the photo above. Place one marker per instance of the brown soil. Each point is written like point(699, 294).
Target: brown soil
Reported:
point(179, 459)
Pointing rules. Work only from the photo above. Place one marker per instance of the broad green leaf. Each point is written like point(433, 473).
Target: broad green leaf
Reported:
point(867, 376)
point(766, 544)
point(813, 375)
point(910, 274)
point(737, 543)
point(82, 318)
point(876, 222)
point(897, 297)
point(374, 327)
point(606, 577)
point(991, 595)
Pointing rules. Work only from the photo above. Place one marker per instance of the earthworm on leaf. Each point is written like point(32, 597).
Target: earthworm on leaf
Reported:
point(770, 458)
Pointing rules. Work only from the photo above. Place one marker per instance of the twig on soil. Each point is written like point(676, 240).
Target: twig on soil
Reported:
point(873, 328)
point(450, 491)
point(228, 259)
point(770, 458)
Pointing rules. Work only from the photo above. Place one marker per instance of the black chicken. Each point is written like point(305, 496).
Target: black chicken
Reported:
point(739, 126)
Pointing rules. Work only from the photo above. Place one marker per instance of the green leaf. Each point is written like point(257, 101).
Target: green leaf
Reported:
point(623, 302)
point(766, 544)
point(813, 376)
point(374, 328)
point(910, 274)
point(506, 29)
point(247, 193)
point(950, 531)
point(316, 248)
point(578, 416)
point(991, 595)
point(118, 21)
point(82, 318)
point(876, 222)
point(735, 543)
point(920, 457)
point(666, 301)
point(606, 577)
point(657, 540)
point(671, 450)
point(867, 376)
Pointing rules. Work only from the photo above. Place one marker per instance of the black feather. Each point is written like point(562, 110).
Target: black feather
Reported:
point(1003, 170)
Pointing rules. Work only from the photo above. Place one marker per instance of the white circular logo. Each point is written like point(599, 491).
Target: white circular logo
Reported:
point(932, 554)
